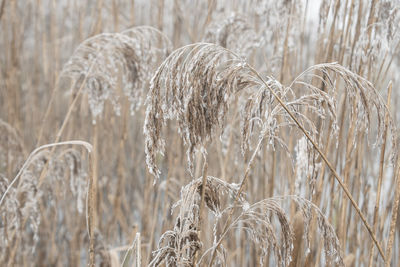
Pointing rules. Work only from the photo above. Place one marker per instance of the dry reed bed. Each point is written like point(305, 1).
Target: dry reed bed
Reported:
point(236, 135)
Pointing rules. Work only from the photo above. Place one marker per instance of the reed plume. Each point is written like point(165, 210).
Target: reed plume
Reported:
point(108, 60)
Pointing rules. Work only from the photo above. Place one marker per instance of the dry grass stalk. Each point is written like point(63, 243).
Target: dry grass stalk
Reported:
point(395, 211)
point(381, 173)
point(135, 249)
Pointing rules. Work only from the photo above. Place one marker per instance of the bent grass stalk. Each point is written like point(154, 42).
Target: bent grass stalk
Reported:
point(336, 175)
point(241, 187)
point(90, 204)
point(135, 247)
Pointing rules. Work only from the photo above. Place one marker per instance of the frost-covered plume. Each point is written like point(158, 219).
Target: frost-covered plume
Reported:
point(194, 86)
point(177, 247)
point(364, 101)
point(68, 167)
point(268, 225)
point(196, 83)
point(235, 34)
point(380, 39)
point(20, 216)
point(262, 109)
point(109, 61)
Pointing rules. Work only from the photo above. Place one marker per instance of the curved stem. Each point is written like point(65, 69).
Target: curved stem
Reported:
point(34, 152)
point(228, 220)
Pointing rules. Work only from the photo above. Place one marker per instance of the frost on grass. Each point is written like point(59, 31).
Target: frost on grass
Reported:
point(266, 223)
point(177, 247)
point(262, 115)
point(194, 86)
point(113, 65)
point(235, 34)
point(20, 216)
point(378, 39)
point(306, 165)
point(312, 98)
point(68, 166)
point(363, 100)
point(21, 209)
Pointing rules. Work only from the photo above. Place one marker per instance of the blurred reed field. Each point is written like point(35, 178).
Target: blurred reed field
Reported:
point(199, 133)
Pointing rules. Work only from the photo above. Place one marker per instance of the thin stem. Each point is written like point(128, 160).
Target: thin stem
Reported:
point(381, 171)
point(66, 119)
point(135, 243)
point(3, 4)
point(90, 211)
point(203, 193)
point(395, 210)
point(47, 113)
